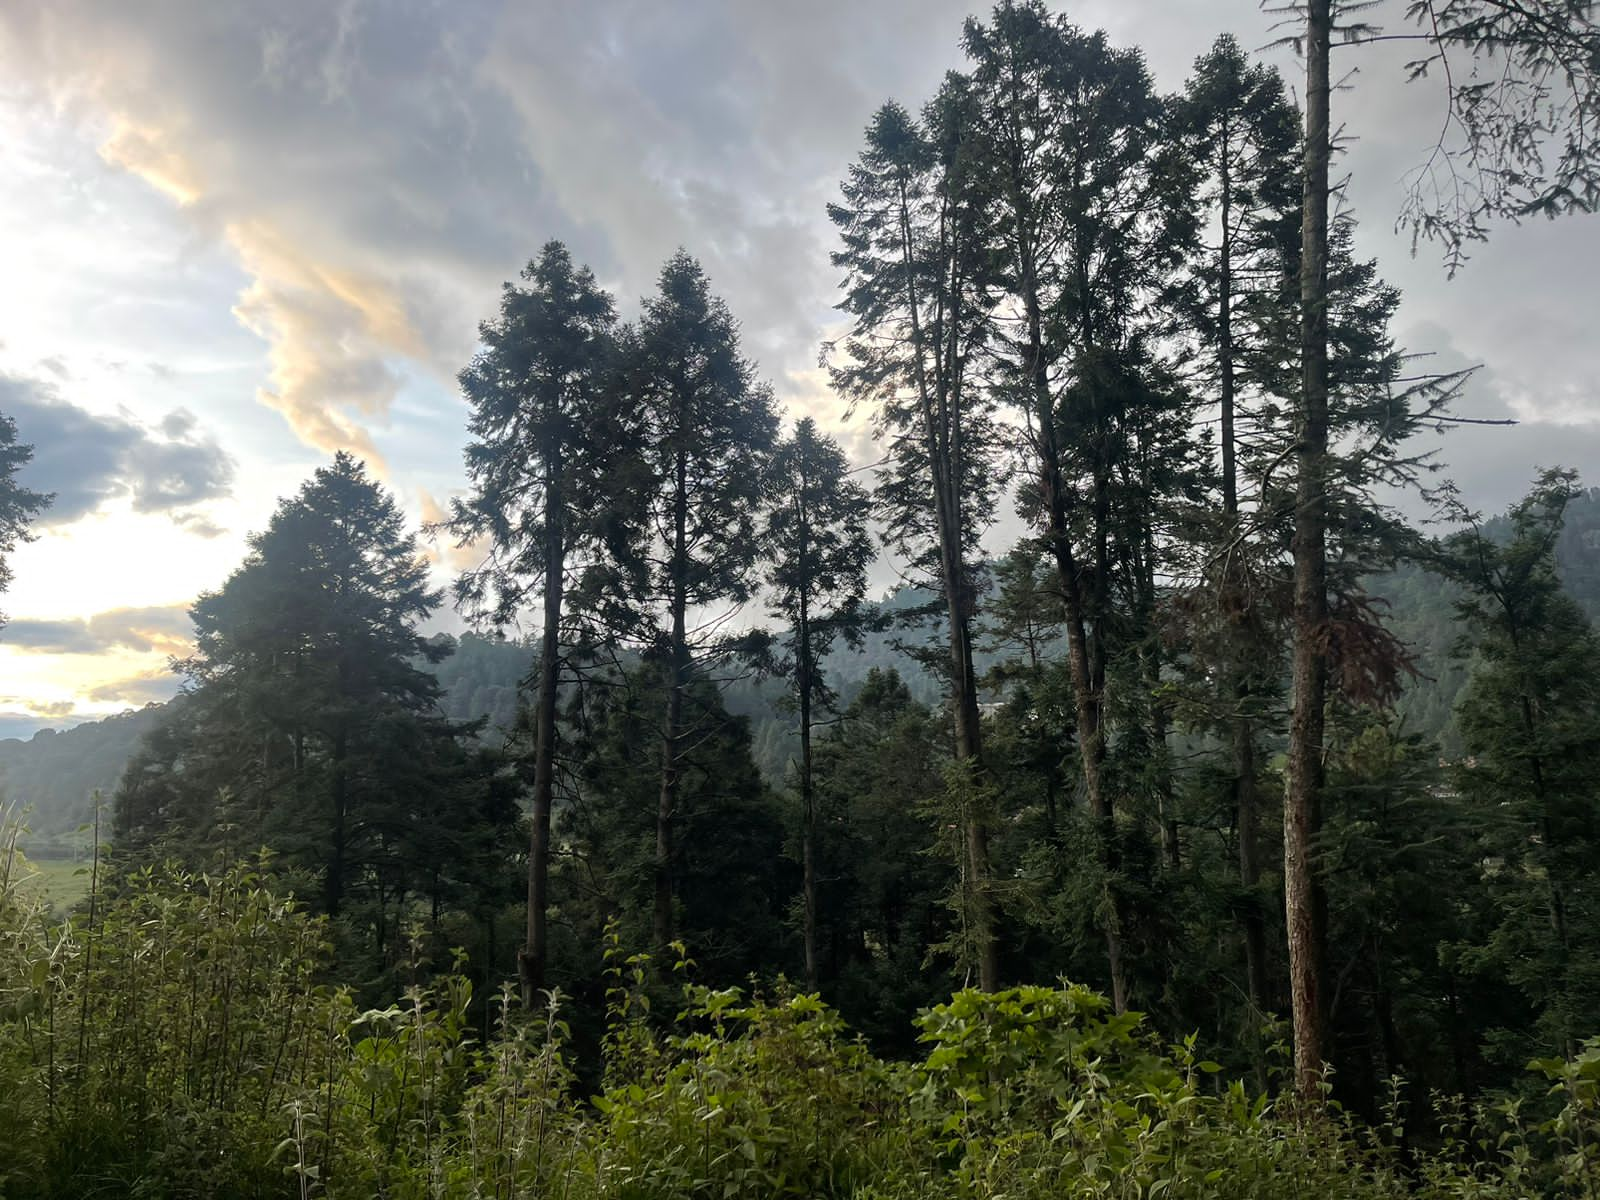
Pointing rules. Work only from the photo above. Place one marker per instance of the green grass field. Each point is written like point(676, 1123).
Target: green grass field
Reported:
point(60, 881)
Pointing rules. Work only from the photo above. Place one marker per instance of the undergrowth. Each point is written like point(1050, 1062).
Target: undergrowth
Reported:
point(174, 1040)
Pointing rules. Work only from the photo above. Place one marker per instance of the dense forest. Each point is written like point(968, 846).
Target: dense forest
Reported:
point(51, 778)
point(1225, 835)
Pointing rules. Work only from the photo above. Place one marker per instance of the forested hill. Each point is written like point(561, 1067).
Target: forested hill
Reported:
point(55, 773)
point(1422, 613)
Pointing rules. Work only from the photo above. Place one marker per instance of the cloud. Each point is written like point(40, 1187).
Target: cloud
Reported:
point(86, 459)
point(440, 548)
point(48, 708)
point(377, 170)
point(331, 334)
point(1494, 465)
point(147, 687)
point(158, 630)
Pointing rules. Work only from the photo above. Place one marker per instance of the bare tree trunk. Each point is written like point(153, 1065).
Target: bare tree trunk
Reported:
point(808, 800)
point(533, 960)
point(671, 733)
point(1302, 816)
point(1246, 801)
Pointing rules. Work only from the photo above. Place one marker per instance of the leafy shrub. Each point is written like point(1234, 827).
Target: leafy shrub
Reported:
point(175, 1040)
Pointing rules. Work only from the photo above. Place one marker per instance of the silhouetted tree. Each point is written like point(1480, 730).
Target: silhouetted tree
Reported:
point(550, 444)
point(820, 549)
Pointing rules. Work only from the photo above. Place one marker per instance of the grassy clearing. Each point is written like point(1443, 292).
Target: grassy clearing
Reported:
point(62, 881)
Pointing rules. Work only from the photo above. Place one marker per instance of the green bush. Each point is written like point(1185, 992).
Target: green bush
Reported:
point(174, 1039)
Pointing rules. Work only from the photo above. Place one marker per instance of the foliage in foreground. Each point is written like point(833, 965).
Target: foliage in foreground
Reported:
point(176, 1043)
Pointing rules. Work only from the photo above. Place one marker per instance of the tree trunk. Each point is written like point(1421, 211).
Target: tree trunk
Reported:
point(334, 883)
point(671, 733)
point(808, 802)
point(1166, 798)
point(1246, 806)
point(1086, 695)
point(533, 960)
point(942, 444)
point(1246, 802)
point(1302, 816)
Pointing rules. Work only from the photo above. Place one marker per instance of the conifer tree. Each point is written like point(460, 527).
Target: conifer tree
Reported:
point(550, 442)
point(1089, 209)
point(918, 258)
point(1530, 724)
point(732, 886)
point(19, 506)
point(1023, 624)
point(819, 547)
point(1239, 124)
point(705, 427)
point(310, 721)
point(1539, 94)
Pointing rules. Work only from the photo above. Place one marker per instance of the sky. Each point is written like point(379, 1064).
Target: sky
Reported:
point(236, 237)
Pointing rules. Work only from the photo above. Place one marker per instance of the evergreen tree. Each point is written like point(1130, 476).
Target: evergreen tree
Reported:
point(549, 446)
point(19, 506)
point(880, 770)
point(1530, 724)
point(705, 429)
point(731, 889)
point(919, 264)
point(820, 549)
point(1238, 123)
point(1541, 88)
point(1031, 735)
point(1090, 211)
point(310, 724)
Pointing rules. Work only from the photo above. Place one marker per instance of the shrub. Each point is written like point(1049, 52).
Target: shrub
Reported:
point(174, 1039)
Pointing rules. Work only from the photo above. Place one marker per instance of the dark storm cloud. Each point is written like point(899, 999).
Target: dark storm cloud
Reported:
point(162, 629)
point(87, 459)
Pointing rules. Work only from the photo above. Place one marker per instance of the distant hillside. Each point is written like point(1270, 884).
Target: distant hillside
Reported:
point(1422, 613)
point(56, 773)
point(53, 776)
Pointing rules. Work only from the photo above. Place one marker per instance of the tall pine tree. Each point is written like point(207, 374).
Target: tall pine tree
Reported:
point(820, 550)
point(549, 444)
point(918, 260)
point(705, 427)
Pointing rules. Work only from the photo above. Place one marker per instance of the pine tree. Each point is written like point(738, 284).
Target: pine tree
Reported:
point(1530, 724)
point(705, 429)
point(732, 883)
point(919, 270)
point(1541, 88)
point(549, 445)
point(1089, 208)
point(816, 533)
point(1238, 123)
point(1031, 735)
point(880, 767)
point(19, 506)
point(310, 723)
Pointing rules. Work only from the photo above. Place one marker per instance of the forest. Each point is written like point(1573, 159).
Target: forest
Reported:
point(1229, 833)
